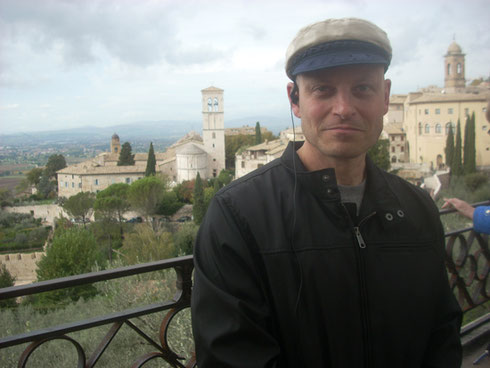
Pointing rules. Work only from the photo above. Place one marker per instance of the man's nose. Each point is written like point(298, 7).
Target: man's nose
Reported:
point(343, 105)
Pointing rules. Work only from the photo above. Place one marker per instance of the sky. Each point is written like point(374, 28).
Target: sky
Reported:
point(73, 63)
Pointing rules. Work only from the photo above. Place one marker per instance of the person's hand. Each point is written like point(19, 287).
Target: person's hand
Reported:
point(461, 206)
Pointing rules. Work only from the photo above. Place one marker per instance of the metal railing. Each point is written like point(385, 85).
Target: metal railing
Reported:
point(183, 267)
point(467, 261)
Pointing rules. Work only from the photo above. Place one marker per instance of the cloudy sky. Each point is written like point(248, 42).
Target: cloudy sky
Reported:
point(70, 63)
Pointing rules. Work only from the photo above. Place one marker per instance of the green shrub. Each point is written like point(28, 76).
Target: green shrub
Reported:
point(475, 181)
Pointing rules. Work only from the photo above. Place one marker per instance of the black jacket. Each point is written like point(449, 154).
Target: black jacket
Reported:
point(294, 280)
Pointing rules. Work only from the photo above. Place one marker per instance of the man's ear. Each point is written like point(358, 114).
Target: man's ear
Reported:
point(293, 96)
point(387, 94)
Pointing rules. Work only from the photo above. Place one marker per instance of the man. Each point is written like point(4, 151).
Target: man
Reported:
point(321, 259)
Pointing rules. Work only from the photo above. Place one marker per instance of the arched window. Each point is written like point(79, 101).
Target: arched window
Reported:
point(420, 128)
point(438, 128)
point(427, 128)
point(458, 68)
point(393, 159)
point(448, 69)
point(448, 125)
point(210, 104)
point(215, 104)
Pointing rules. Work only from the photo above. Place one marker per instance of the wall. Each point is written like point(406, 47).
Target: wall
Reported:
point(22, 266)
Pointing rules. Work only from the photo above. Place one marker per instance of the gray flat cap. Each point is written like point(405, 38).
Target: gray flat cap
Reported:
point(337, 42)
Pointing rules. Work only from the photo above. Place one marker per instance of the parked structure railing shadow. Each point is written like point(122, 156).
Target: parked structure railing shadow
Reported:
point(467, 260)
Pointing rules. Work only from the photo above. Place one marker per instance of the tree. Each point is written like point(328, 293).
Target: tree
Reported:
point(46, 187)
point(449, 150)
point(151, 162)
point(225, 177)
point(233, 143)
point(34, 176)
point(145, 195)
point(469, 151)
point(380, 153)
point(184, 239)
point(55, 162)
point(112, 202)
point(169, 204)
point(73, 251)
point(80, 206)
point(184, 191)
point(6, 197)
point(258, 134)
point(456, 165)
point(145, 245)
point(6, 280)
point(199, 208)
point(126, 158)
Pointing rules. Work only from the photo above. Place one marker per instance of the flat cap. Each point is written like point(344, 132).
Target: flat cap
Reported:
point(337, 42)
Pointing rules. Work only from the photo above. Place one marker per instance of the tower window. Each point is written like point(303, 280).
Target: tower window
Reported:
point(458, 68)
point(115, 149)
point(210, 104)
point(448, 69)
point(215, 104)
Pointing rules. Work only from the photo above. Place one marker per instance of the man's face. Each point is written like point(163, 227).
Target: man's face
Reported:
point(341, 110)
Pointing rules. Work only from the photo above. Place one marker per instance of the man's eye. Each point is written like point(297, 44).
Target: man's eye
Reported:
point(363, 88)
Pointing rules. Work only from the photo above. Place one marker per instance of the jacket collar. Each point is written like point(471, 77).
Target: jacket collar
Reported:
point(378, 195)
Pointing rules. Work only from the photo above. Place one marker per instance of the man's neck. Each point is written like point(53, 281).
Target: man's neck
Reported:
point(348, 171)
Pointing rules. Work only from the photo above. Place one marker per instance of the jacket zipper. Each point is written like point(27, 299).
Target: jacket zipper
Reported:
point(357, 231)
point(368, 354)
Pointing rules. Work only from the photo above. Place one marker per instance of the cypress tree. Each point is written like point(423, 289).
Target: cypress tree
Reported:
point(469, 146)
point(457, 167)
point(258, 134)
point(449, 150)
point(126, 158)
point(198, 209)
point(151, 162)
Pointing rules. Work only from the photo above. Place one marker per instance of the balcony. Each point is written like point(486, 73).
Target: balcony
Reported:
point(153, 341)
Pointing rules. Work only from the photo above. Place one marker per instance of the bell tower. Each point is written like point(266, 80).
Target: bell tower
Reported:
point(213, 129)
point(454, 69)
point(115, 144)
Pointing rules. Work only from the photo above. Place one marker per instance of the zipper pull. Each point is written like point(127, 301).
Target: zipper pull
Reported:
point(359, 238)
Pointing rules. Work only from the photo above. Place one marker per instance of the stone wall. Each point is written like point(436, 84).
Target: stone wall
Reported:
point(22, 266)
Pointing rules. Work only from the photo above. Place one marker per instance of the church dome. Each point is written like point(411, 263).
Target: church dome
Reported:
point(454, 48)
point(115, 136)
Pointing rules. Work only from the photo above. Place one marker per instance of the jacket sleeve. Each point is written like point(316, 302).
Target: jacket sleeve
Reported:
point(444, 349)
point(230, 316)
point(481, 219)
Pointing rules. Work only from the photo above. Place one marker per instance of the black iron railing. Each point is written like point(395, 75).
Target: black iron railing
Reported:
point(183, 267)
point(467, 260)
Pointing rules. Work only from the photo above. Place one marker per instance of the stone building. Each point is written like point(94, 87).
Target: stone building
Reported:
point(429, 112)
point(190, 155)
point(251, 158)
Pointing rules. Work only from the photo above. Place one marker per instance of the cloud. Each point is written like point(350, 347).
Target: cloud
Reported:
point(9, 106)
point(139, 33)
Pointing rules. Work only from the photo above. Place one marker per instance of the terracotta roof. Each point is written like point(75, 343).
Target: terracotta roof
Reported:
point(394, 128)
point(190, 149)
point(88, 168)
point(449, 97)
point(397, 99)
